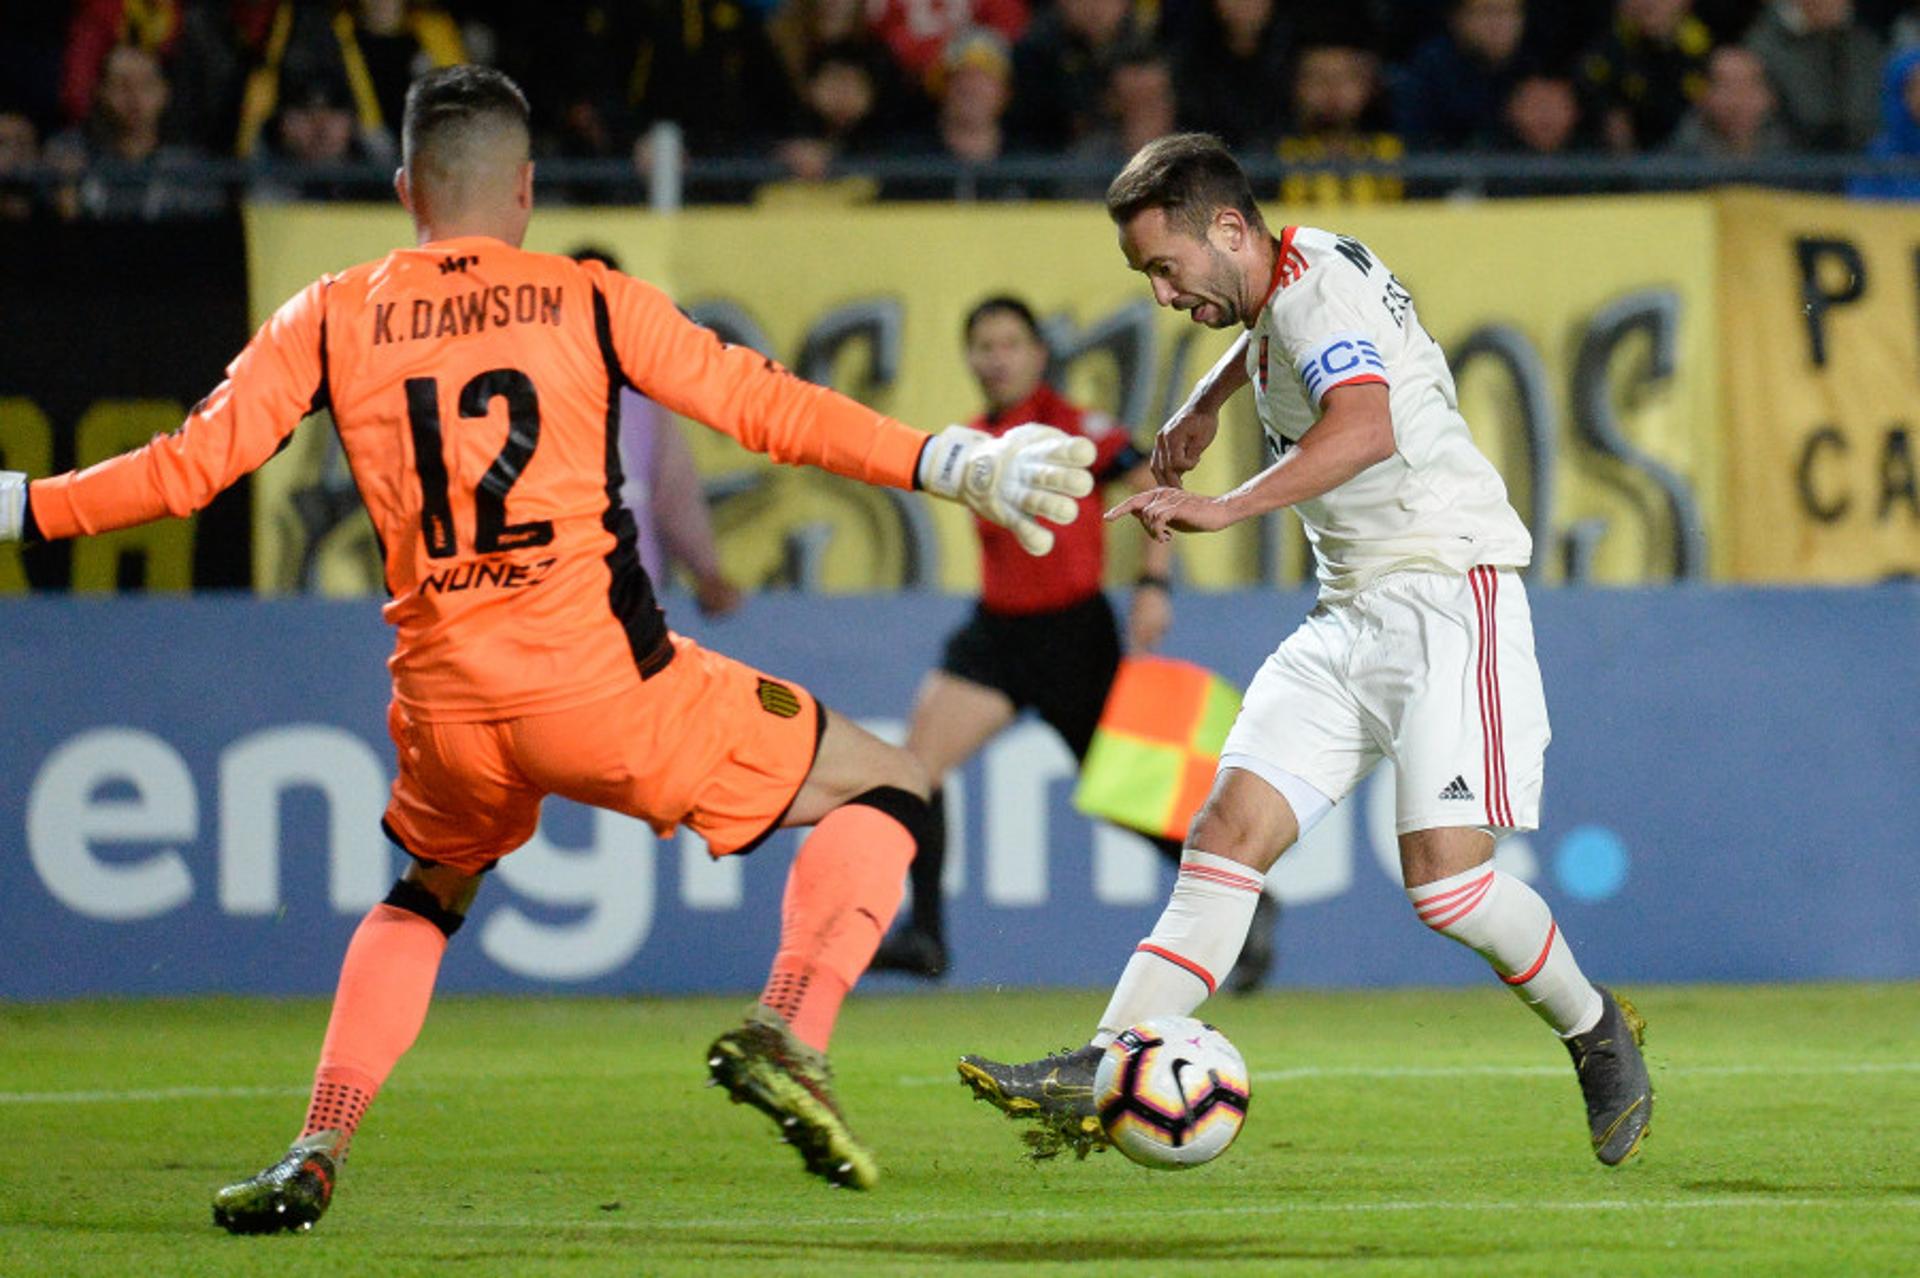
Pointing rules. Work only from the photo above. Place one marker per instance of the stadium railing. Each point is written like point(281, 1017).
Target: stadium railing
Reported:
point(733, 179)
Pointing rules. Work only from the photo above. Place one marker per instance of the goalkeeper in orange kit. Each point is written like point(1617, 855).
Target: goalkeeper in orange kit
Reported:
point(475, 388)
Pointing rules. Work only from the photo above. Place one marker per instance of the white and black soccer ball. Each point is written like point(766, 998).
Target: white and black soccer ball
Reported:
point(1171, 1092)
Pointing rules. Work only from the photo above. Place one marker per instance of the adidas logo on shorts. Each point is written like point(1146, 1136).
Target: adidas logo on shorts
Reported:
point(1457, 790)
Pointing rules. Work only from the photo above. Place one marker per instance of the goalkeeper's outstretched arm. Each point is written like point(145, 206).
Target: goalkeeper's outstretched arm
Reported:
point(1032, 472)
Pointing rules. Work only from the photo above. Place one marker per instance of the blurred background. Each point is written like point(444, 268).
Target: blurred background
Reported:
point(1671, 248)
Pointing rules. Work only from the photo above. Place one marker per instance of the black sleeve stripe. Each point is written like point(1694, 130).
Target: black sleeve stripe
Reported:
point(322, 397)
point(603, 331)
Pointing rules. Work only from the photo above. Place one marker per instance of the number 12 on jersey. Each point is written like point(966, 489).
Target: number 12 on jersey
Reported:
point(492, 533)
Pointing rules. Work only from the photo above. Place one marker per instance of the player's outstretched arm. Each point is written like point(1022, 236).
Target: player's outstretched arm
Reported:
point(271, 385)
point(736, 390)
point(1032, 472)
point(1185, 436)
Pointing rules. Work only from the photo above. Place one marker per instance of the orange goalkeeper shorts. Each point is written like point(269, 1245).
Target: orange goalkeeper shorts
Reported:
point(707, 742)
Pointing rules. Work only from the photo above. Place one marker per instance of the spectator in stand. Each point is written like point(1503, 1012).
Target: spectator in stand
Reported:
point(315, 127)
point(1060, 71)
point(397, 41)
point(19, 155)
point(1826, 67)
point(1235, 44)
point(1738, 117)
point(376, 47)
point(918, 32)
point(1138, 106)
point(1454, 92)
point(118, 159)
point(802, 29)
point(99, 27)
point(1542, 117)
point(1646, 73)
point(1339, 113)
point(712, 66)
point(850, 106)
point(975, 86)
point(1900, 135)
point(220, 41)
point(581, 64)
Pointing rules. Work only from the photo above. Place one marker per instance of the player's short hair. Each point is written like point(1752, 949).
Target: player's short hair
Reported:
point(1189, 175)
point(1002, 304)
point(451, 107)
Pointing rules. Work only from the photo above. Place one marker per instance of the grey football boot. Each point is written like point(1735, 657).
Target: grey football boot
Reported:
point(1055, 1092)
point(1613, 1078)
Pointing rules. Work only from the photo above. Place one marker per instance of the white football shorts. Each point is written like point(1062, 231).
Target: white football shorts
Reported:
point(1431, 670)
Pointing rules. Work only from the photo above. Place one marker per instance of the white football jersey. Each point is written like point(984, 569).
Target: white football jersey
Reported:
point(1336, 316)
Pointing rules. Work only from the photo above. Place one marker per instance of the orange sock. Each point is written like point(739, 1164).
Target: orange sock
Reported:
point(845, 885)
point(386, 982)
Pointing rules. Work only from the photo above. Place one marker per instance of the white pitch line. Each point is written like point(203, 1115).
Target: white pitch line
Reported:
point(1518, 1071)
point(1104, 1213)
point(143, 1094)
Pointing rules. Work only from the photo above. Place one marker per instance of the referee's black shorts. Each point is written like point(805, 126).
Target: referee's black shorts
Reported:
point(1061, 663)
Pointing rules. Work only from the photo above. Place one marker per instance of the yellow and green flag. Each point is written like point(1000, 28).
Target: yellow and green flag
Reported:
point(1158, 743)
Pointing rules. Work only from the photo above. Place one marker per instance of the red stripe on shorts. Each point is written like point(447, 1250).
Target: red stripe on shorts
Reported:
point(1486, 589)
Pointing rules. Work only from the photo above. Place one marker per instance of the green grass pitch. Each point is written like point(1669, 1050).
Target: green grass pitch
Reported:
point(1391, 1133)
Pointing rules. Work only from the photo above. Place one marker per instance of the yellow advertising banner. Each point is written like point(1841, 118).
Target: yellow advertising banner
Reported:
point(1822, 350)
point(1582, 333)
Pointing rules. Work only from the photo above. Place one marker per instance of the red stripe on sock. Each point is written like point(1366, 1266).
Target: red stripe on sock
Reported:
point(1178, 961)
point(1440, 900)
point(1521, 978)
point(1445, 918)
point(1223, 877)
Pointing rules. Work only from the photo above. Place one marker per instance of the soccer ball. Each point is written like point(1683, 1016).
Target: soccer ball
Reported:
point(1171, 1092)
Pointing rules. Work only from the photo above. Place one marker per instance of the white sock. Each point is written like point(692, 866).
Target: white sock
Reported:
point(1504, 921)
point(1194, 944)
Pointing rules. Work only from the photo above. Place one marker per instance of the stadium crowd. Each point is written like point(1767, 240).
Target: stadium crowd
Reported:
point(305, 91)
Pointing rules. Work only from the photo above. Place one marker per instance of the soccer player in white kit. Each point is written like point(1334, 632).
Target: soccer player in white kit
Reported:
point(1419, 650)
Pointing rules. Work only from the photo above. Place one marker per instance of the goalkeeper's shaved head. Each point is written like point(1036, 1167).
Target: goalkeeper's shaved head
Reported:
point(464, 140)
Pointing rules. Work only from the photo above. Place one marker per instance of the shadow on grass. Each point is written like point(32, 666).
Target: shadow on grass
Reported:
point(1784, 1189)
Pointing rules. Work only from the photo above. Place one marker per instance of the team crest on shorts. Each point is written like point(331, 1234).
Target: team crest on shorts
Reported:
point(778, 699)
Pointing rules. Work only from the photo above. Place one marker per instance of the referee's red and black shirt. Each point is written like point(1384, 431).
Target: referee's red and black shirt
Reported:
point(1015, 583)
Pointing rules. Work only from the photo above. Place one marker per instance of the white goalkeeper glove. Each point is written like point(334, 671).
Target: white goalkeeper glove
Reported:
point(13, 504)
point(1031, 473)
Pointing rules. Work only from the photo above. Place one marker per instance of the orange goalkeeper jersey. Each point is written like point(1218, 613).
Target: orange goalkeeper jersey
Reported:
point(476, 387)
